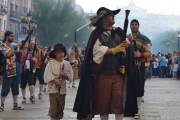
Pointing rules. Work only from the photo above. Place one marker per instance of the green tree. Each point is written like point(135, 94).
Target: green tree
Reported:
point(160, 42)
point(57, 19)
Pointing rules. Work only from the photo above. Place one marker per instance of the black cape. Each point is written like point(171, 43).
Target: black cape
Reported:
point(84, 102)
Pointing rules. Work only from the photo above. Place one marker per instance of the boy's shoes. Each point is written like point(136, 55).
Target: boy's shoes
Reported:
point(137, 116)
point(24, 100)
point(40, 96)
point(142, 100)
point(16, 107)
point(44, 90)
point(32, 99)
point(73, 86)
point(2, 108)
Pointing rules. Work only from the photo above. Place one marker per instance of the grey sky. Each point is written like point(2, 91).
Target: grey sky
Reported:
point(166, 7)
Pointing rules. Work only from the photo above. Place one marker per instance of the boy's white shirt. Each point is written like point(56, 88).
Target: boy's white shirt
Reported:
point(53, 70)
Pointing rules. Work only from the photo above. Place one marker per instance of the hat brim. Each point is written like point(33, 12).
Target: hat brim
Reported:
point(51, 54)
point(115, 12)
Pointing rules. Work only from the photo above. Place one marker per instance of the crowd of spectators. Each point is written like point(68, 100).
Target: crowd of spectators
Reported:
point(165, 66)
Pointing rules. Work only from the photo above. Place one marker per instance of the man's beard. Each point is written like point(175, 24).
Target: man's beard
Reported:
point(10, 41)
point(135, 31)
point(111, 23)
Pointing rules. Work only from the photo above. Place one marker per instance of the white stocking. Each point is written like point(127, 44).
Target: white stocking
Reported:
point(104, 117)
point(139, 101)
point(119, 116)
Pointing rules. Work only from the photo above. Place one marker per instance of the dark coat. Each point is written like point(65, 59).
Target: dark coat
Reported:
point(84, 102)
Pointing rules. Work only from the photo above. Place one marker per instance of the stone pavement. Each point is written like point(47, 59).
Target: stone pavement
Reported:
point(162, 102)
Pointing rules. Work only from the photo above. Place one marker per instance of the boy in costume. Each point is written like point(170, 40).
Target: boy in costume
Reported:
point(56, 73)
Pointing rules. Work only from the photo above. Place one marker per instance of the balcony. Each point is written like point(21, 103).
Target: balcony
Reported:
point(3, 9)
point(23, 11)
point(14, 16)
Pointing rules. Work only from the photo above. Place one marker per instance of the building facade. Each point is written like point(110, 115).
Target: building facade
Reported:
point(3, 17)
point(151, 24)
point(11, 14)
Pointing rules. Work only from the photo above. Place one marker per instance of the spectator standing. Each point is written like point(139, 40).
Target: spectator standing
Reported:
point(163, 63)
point(175, 70)
point(155, 63)
point(166, 66)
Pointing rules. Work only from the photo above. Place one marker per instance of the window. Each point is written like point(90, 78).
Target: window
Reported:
point(4, 24)
point(15, 29)
point(15, 32)
point(25, 3)
point(16, 11)
point(10, 27)
point(0, 25)
point(20, 5)
point(11, 8)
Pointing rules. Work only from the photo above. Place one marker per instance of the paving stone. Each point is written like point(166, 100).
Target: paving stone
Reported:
point(162, 102)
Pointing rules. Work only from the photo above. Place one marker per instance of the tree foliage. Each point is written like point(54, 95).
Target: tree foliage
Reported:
point(57, 19)
point(160, 42)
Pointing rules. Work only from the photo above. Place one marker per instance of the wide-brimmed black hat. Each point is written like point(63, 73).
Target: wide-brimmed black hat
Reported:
point(105, 11)
point(56, 47)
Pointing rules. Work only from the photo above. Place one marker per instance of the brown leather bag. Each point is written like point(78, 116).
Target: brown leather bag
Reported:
point(96, 69)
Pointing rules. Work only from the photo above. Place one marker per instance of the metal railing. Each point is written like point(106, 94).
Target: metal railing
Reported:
point(23, 10)
point(3, 8)
point(14, 15)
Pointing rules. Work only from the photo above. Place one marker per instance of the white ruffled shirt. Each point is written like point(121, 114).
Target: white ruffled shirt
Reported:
point(99, 50)
point(52, 71)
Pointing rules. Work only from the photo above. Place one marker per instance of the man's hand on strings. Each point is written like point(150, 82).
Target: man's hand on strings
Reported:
point(47, 53)
point(33, 59)
point(137, 54)
point(75, 44)
point(126, 43)
point(18, 45)
point(57, 81)
point(63, 73)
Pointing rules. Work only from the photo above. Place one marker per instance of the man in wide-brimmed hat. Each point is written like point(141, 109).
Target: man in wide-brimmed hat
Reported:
point(103, 89)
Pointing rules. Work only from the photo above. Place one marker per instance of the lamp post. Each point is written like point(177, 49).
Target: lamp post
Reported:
point(66, 35)
point(178, 35)
point(28, 23)
point(168, 46)
point(83, 45)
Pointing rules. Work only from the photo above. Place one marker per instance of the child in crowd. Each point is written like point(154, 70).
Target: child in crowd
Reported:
point(175, 70)
point(155, 65)
point(56, 73)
